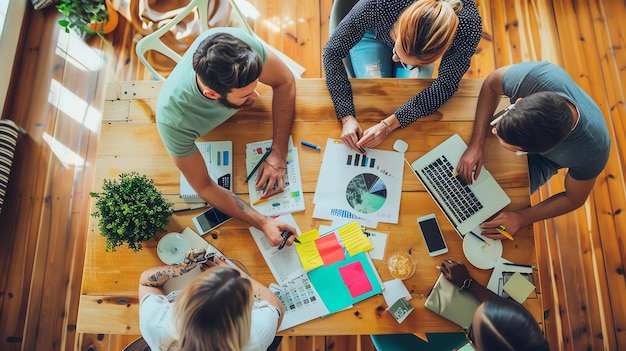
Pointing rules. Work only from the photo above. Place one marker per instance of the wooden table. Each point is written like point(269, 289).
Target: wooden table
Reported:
point(129, 142)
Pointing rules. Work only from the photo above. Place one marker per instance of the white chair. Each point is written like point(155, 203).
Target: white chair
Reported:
point(153, 40)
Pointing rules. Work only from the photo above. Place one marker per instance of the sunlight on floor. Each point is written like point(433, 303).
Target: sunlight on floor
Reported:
point(67, 157)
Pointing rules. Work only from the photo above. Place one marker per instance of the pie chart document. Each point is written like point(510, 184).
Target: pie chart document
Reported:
point(364, 188)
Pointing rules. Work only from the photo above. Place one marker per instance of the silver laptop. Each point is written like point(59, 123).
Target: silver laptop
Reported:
point(466, 206)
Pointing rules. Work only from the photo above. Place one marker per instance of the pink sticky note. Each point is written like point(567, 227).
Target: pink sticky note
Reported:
point(329, 249)
point(355, 279)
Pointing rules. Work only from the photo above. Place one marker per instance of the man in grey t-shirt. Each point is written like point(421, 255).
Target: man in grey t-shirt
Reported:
point(552, 120)
point(216, 77)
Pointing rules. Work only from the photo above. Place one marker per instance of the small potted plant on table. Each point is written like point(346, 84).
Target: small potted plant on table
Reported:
point(131, 211)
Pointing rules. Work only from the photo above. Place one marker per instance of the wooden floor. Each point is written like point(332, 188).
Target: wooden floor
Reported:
point(58, 90)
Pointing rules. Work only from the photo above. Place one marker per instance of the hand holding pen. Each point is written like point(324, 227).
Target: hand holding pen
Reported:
point(351, 132)
point(504, 225)
point(191, 259)
point(285, 235)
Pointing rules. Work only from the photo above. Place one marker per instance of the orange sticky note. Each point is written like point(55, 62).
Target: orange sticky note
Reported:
point(329, 249)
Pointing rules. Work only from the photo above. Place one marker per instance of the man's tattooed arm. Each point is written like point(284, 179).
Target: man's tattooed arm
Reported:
point(157, 276)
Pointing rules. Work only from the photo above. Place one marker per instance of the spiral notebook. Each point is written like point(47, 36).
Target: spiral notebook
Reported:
point(218, 159)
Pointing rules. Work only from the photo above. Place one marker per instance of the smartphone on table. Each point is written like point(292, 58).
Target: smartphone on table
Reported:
point(209, 220)
point(431, 232)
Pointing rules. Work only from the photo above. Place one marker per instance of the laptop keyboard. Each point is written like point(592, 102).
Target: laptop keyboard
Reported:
point(456, 194)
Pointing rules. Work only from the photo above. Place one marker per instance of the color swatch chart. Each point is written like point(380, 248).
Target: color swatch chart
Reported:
point(292, 199)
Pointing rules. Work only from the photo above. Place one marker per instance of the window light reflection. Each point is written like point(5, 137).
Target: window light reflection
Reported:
point(67, 157)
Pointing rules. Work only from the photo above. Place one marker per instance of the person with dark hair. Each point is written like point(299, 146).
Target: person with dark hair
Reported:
point(216, 77)
point(221, 309)
point(498, 324)
point(387, 37)
point(552, 120)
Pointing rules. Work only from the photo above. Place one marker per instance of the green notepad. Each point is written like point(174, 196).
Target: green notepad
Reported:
point(518, 287)
point(341, 283)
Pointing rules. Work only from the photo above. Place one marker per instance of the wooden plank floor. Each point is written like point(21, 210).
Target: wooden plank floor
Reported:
point(58, 90)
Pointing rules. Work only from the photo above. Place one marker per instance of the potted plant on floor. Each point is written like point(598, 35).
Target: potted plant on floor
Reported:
point(88, 17)
point(131, 211)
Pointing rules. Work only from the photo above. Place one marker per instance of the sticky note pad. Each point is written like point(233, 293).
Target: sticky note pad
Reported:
point(355, 279)
point(518, 287)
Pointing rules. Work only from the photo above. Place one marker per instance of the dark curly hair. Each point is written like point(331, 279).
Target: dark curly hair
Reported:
point(538, 123)
point(224, 62)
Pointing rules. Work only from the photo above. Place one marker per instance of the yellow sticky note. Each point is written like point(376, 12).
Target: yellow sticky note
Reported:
point(354, 239)
point(518, 287)
point(311, 235)
point(307, 250)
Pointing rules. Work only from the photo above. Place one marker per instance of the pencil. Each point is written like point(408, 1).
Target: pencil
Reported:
point(479, 238)
point(262, 200)
point(267, 153)
point(502, 231)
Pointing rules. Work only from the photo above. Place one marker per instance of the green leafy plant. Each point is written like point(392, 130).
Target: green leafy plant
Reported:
point(131, 210)
point(80, 14)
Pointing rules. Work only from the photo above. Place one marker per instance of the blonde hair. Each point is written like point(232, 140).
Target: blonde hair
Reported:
point(214, 312)
point(426, 28)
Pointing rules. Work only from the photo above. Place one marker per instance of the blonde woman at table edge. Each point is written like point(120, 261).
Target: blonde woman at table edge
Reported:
point(221, 309)
point(414, 34)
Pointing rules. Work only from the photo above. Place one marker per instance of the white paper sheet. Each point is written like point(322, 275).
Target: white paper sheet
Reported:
point(379, 240)
point(301, 301)
point(292, 199)
point(360, 187)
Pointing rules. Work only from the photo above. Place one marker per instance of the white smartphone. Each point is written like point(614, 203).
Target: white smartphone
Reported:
point(432, 234)
point(210, 219)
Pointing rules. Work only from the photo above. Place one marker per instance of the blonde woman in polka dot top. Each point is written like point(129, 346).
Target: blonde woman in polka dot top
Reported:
point(418, 33)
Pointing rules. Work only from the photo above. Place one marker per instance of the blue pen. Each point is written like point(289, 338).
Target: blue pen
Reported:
point(312, 146)
point(479, 238)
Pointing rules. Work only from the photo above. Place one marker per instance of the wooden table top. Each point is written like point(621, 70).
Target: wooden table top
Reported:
point(129, 141)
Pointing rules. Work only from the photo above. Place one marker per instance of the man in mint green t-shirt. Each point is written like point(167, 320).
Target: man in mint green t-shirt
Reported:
point(216, 77)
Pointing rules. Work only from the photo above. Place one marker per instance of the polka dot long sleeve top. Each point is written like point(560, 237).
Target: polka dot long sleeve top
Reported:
point(382, 15)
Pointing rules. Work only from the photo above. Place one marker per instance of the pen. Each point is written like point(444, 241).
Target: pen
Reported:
point(262, 200)
point(502, 231)
point(267, 153)
point(479, 238)
point(519, 265)
point(313, 146)
point(286, 234)
point(191, 208)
